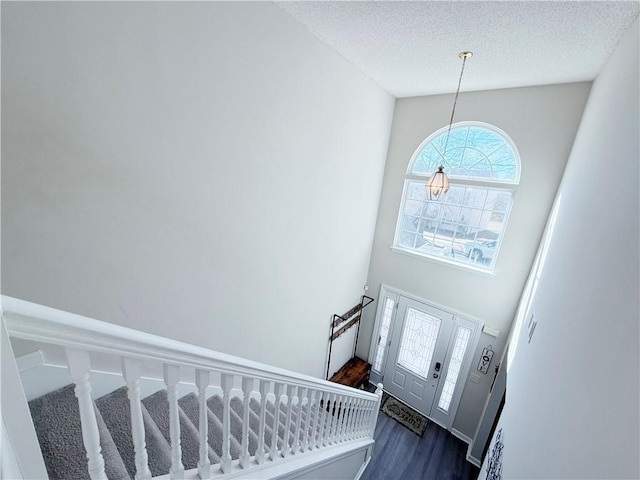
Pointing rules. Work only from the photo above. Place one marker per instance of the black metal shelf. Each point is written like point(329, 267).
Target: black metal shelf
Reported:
point(345, 322)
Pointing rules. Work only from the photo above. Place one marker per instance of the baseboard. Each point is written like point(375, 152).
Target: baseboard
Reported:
point(473, 460)
point(458, 434)
point(461, 436)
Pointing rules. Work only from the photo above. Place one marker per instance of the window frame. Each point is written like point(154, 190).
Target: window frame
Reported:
point(507, 185)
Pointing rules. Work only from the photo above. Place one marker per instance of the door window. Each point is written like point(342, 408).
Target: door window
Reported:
point(418, 342)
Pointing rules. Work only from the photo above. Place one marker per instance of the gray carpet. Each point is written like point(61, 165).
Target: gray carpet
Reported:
point(57, 421)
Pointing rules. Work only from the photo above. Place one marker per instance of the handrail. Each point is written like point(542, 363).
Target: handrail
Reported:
point(31, 321)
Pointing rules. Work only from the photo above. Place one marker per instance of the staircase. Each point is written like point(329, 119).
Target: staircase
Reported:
point(207, 414)
point(57, 423)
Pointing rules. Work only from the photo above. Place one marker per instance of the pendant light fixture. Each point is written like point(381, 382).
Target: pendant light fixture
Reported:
point(438, 184)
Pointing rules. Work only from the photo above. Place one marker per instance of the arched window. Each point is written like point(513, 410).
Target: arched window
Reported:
point(466, 225)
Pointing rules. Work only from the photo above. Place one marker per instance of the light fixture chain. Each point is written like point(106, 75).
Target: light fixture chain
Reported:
point(453, 112)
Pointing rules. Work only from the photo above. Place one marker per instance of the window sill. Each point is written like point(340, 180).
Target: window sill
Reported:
point(430, 258)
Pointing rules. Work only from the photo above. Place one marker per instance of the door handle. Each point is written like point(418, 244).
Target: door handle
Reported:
point(437, 367)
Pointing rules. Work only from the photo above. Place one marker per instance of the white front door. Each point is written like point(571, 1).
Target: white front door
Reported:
point(417, 353)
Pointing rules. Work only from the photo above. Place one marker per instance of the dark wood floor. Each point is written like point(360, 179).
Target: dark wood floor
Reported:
point(401, 454)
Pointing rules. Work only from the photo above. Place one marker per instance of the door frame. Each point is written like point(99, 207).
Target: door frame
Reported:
point(386, 291)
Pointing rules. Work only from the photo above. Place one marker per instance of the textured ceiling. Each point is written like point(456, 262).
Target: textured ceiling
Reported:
point(410, 48)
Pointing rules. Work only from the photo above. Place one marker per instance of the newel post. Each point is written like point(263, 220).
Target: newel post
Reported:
point(374, 419)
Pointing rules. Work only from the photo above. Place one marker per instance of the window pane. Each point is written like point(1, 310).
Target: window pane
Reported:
point(464, 227)
point(416, 191)
point(418, 341)
point(453, 371)
point(473, 152)
point(475, 197)
point(410, 223)
point(427, 158)
point(413, 207)
point(407, 239)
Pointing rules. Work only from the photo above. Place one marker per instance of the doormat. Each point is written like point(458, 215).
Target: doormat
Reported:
point(404, 415)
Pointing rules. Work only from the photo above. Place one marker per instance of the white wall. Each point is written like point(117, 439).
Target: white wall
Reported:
point(204, 171)
point(542, 122)
point(573, 392)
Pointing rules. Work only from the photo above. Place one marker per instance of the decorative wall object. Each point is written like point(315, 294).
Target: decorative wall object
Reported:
point(494, 470)
point(485, 359)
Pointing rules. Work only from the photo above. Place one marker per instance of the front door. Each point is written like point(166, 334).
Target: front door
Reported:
point(417, 353)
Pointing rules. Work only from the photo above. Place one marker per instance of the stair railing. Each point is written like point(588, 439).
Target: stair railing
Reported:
point(319, 415)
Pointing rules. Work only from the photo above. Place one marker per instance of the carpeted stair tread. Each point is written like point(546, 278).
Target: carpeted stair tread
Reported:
point(254, 423)
point(254, 406)
point(158, 407)
point(237, 407)
point(189, 405)
point(117, 416)
point(215, 407)
point(283, 418)
point(56, 418)
point(59, 431)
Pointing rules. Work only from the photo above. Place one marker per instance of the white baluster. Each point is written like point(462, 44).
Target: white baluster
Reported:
point(354, 424)
point(363, 418)
point(358, 420)
point(332, 419)
point(308, 419)
point(318, 422)
point(171, 379)
point(349, 419)
point(278, 390)
point(79, 367)
point(344, 435)
point(264, 389)
point(345, 419)
point(295, 445)
point(286, 449)
point(374, 420)
point(340, 418)
point(247, 387)
point(132, 369)
point(204, 465)
point(322, 406)
point(227, 384)
point(336, 419)
point(315, 405)
point(329, 419)
point(367, 417)
point(326, 419)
